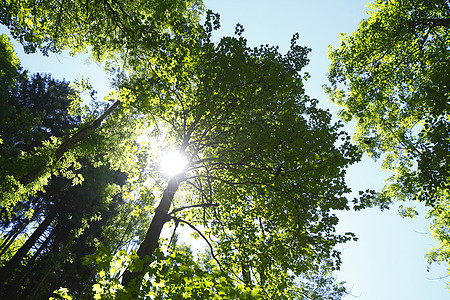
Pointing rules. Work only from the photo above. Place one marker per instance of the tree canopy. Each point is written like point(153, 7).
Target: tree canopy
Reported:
point(392, 78)
point(265, 164)
point(86, 207)
point(100, 27)
point(265, 169)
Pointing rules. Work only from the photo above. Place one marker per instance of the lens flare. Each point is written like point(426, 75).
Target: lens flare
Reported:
point(173, 163)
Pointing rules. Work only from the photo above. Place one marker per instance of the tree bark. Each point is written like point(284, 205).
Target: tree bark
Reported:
point(67, 145)
point(132, 279)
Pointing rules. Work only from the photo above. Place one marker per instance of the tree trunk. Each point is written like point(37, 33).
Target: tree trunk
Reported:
point(15, 261)
point(24, 273)
point(246, 276)
point(41, 248)
point(67, 145)
point(132, 279)
point(11, 238)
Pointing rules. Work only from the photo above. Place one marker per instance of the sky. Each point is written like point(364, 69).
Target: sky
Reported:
point(388, 261)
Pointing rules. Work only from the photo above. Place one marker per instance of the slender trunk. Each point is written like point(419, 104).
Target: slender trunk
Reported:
point(32, 277)
point(132, 279)
point(11, 238)
point(246, 276)
point(262, 278)
point(18, 229)
point(41, 248)
point(25, 271)
point(67, 145)
point(245, 267)
point(15, 261)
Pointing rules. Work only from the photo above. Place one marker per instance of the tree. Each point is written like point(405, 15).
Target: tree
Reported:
point(48, 129)
point(68, 220)
point(114, 30)
point(266, 166)
point(396, 86)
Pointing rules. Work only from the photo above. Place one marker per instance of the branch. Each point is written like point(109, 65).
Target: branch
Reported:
point(438, 278)
point(67, 145)
point(193, 206)
point(444, 22)
point(173, 234)
point(200, 189)
point(204, 238)
point(210, 247)
point(228, 181)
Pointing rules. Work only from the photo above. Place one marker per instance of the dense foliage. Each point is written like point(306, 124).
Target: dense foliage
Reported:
point(396, 86)
point(86, 210)
point(265, 165)
point(102, 27)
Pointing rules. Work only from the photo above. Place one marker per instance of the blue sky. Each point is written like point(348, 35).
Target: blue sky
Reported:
point(388, 260)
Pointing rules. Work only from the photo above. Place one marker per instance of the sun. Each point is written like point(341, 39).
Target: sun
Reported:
point(172, 163)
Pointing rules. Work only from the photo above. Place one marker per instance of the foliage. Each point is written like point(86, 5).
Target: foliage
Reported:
point(45, 234)
point(177, 274)
point(8, 69)
point(266, 166)
point(100, 27)
point(392, 78)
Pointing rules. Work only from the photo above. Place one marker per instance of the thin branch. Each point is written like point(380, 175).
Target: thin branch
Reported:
point(227, 181)
point(174, 231)
point(193, 206)
point(200, 189)
point(211, 248)
point(444, 22)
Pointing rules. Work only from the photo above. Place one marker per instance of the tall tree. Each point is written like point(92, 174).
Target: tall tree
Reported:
point(67, 221)
point(114, 30)
point(48, 128)
point(392, 76)
point(265, 166)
